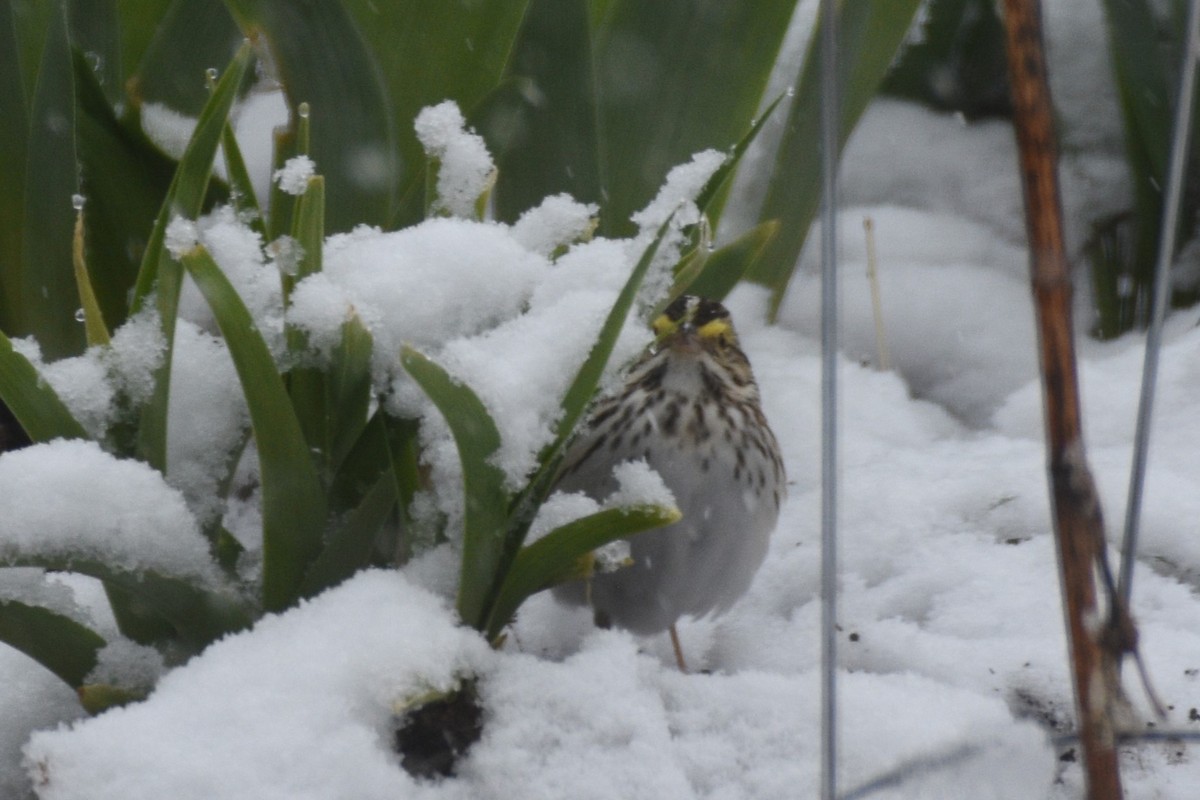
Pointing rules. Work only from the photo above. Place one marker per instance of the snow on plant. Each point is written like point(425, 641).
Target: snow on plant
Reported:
point(113, 510)
point(465, 171)
point(430, 376)
point(293, 176)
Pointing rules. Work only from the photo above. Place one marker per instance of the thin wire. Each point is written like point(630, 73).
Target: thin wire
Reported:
point(830, 127)
point(1158, 303)
point(915, 768)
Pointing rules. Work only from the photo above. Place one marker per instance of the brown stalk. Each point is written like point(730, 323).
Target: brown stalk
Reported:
point(1079, 530)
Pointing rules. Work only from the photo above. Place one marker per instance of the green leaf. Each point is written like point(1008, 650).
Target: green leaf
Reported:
point(964, 41)
point(427, 51)
point(99, 697)
point(58, 643)
point(14, 139)
point(712, 195)
point(124, 181)
point(545, 113)
point(576, 401)
point(579, 394)
point(869, 34)
point(554, 558)
point(618, 93)
point(321, 59)
point(485, 518)
point(331, 402)
point(240, 186)
point(35, 405)
point(405, 453)
point(194, 615)
point(350, 388)
point(167, 62)
point(45, 281)
point(30, 30)
point(308, 226)
point(1141, 82)
point(367, 459)
point(140, 21)
point(351, 545)
point(1143, 60)
point(93, 318)
point(158, 271)
point(199, 617)
point(715, 275)
point(187, 191)
point(293, 501)
point(366, 69)
point(94, 27)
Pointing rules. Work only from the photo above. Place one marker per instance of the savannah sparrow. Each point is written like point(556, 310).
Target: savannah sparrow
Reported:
point(690, 408)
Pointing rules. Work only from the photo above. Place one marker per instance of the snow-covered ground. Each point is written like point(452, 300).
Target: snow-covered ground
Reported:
point(954, 673)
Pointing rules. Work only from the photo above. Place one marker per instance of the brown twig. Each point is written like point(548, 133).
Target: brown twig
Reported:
point(1079, 529)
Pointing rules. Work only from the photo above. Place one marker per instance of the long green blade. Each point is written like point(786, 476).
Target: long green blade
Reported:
point(579, 394)
point(46, 287)
point(607, 97)
point(188, 614)
point(869, 34)
point(58, 643)
point(32, 401)
point(14, 139)
point(168, 44)
point(712, 196)
point(351, 544)
point(715, 275)
point(294, 503)
point(555, 557)
point(125, 179)
point(158, 270)
point(485, 518)
point(240, 186)
point(575, 402)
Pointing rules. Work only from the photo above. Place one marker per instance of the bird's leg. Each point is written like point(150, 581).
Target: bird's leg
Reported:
point(678, 649)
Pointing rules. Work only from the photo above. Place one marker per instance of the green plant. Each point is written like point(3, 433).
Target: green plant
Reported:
point(547, 82)
point(336, 469)
point(1123, 248)
point(332, 472)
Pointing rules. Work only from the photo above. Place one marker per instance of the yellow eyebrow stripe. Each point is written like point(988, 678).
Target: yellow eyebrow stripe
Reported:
point(714, 329)
point(663, 325)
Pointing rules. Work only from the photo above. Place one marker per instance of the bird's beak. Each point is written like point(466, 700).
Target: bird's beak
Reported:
point(686, 340)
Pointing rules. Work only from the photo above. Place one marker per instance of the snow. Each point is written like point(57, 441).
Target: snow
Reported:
point(953, 672)
point(465, 170)
point(124, 663)
point(676, 197)
point(32, 699)
point(255, 117)
point(207, 418)
point(293, 176)
point(639, 485)
point(69, 500)
point(167, 128)
point(557, 222)
point(402, 644)
point(95, 385)
point(181, 236)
